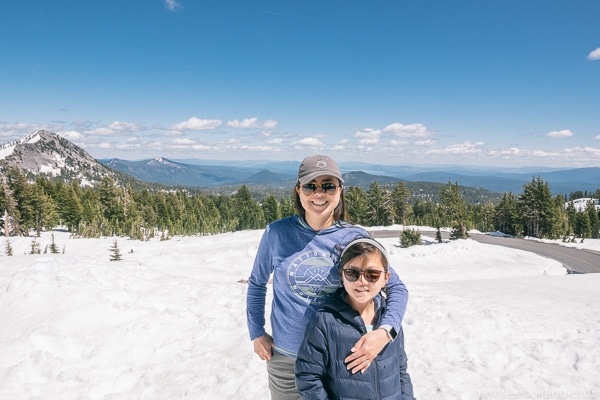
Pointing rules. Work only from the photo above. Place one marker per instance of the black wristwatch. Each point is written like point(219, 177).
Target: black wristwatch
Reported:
point(391, 331)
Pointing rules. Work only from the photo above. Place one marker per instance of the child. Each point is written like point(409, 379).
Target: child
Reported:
point(354, 310)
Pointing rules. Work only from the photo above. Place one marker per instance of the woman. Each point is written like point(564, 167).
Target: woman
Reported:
point(356, 309)
point(301, 254)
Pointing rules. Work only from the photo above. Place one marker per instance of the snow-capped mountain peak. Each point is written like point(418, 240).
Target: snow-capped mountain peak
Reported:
point(46, 153)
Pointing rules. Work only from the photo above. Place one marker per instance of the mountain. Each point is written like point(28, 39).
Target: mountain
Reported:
point(167, 172)
point(45, 153)
point(173, 173)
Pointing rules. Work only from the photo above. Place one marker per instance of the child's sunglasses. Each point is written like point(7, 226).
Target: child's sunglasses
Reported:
point(352, 274)
point(327, 187)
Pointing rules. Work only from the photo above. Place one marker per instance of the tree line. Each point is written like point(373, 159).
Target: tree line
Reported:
point(110, 209)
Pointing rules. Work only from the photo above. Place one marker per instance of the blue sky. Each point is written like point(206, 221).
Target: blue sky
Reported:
point(489, 83)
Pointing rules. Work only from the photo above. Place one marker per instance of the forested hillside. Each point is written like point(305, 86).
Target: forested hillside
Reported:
point(139, 213)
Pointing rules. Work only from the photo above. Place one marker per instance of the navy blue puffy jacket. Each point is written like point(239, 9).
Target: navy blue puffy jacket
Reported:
point(320, 369)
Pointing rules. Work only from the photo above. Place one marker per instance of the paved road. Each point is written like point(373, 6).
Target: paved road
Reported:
point(575, 260)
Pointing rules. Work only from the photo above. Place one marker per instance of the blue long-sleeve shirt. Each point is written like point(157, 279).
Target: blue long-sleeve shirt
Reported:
point(304, 265)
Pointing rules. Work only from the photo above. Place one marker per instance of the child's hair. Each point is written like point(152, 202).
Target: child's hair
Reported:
point(362, 246)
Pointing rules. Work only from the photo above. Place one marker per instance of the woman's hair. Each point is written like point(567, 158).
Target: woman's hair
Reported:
point(363, 246)
point(339, 214)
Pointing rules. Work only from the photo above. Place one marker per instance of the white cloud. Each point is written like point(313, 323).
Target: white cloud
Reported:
point(275, 141)
point(597, 137)
point(253, 123)
point(116, 128)
point(560, 134)
point(368, 141)
point(584, 152)
point(19, 129)
point(71, 135)
point(412, 130)
point(368, 133)
point(308, 142)
point(197, 124)
point(513, 151)
point(426, 142)
point(183, 141)
point(459, 149)
point(172, 4)
point(594, 55)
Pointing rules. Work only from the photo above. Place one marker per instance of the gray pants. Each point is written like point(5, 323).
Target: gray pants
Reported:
point(282, 381)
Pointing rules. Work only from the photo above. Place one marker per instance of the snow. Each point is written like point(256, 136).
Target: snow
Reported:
point(169, 322)
point(6, 150)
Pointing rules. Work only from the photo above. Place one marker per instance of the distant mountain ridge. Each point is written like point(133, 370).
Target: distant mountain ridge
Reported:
point(43, 152)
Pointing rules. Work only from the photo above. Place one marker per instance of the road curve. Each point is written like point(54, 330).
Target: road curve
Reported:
point(577, 261)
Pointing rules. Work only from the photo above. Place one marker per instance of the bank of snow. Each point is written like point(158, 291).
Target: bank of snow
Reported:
point(168, 321)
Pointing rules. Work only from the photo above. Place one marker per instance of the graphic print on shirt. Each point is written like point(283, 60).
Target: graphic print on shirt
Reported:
point(312, 275)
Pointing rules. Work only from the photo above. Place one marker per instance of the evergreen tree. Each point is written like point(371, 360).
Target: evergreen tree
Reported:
point(536, 209)
point(402, 208)
point(594, 220)
point(410, 237)
point(438, 235)
point(13, 183)
point(43, 210)
point(356, 205)
point(380, 209)
point(271, 209)
point(35, 247)
point(53, 246)
point(287, 207)
point(8, 248)
point(583, 226)
point(506, 215)
point(249, 213)
point(452, 205)
point(459, 231)
point(69, 206)
point(115, 253)
point(425, 213)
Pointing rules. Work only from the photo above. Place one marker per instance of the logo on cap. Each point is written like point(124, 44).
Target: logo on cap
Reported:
point(321, 164)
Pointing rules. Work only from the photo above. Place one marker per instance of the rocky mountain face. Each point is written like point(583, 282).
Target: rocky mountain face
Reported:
point(45, 153)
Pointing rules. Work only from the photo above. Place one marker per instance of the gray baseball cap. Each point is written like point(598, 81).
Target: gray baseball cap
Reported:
point(315, 166)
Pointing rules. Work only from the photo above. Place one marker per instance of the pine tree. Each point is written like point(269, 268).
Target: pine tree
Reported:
point(271, 209)
point(287, 207)
point(53, 246)
point(438, 235)
point(10, 208)
point(247, 210)
point(410, 237)
point(356, 205)
point(8, 248)
point(452, 205)
point(537, 211)
point(400, 196)
point(35, 247)
point(115, 253)
point(380, 207)
point(594, 220)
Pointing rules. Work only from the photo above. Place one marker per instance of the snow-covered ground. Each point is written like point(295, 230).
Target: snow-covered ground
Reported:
point(168, 321)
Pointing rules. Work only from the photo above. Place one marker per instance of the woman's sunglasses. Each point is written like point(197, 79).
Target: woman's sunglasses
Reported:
point(327, 187)
point(352, 275)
